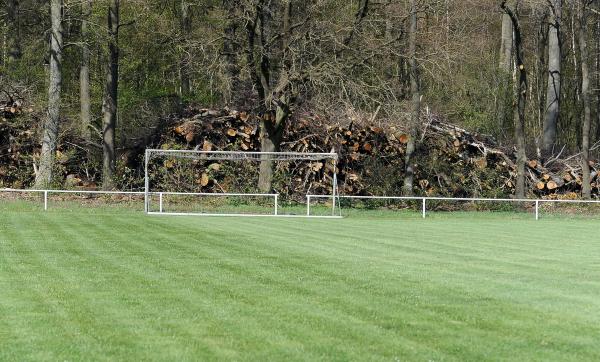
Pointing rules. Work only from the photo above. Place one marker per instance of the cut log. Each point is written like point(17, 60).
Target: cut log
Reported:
point(403, 138)
point(204, 180)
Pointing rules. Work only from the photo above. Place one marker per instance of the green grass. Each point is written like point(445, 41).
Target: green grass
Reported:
point(111, 284)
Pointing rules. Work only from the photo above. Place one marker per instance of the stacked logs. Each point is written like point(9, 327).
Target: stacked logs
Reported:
point(451, 161)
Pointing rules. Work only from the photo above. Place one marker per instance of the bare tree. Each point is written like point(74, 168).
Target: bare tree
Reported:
point(109, 105)
point(184, 64)
point(84, 72)
point(416, 100)
point(51, 124)
point(554, 72)
point(13, 31)
point(285, 48)
point(506, 68)
point(582, 11)
point(521, 96)
point(230, 53)
point(506, 44)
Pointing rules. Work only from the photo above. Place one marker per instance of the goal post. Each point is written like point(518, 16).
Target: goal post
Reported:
point(190, 169)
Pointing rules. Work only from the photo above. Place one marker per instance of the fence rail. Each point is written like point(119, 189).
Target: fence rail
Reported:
point(424, 200)
point(141, 193)
point(309, 198)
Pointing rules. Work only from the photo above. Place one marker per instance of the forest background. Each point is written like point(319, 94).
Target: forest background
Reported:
point(511, 87)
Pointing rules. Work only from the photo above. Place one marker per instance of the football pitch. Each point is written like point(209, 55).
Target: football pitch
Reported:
point(120, 285)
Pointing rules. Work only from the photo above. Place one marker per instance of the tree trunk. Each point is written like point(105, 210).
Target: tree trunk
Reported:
point(271, 134)
point(230, 52)
point(272, 126)
point(505, 73)
point(416, 102)
point(586, 191)
point(13, 31)
point(506, 45)
point(109, 105)
point(84, 72)
point(598, 78)
point(184, 63)
point(270, 141)
point(554, 69)
point(50, 131)
point(519, 117)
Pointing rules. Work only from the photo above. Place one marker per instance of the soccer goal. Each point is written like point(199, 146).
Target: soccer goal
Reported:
point(229, 183)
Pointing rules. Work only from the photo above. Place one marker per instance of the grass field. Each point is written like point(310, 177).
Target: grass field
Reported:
point(97, 284)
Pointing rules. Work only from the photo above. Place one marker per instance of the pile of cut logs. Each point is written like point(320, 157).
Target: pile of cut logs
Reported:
point(451, 161)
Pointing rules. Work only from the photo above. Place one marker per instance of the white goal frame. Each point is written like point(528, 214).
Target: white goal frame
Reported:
point(238, 156)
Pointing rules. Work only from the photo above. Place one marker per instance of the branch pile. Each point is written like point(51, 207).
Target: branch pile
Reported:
point(451, 161)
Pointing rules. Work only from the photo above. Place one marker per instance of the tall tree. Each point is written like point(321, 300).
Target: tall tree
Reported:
point(84, 72)
point(506, 44)
point(582, 11)
point(505, 69)
point(276, 97)
point(51, 124)
point(230, 51)
point(109, 105)
point(286, 47)
point(554, 69)
point(519, 116)
point(13, 31)
point(416, 100)
point(184, 63)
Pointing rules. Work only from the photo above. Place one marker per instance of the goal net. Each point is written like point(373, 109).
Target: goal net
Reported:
point(233, 183)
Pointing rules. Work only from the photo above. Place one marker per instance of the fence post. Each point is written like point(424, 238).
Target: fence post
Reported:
point(424, 207)
point(276, 204)
point(537, 210)
point(307, 205)
point(45, 200)
point(160, 202)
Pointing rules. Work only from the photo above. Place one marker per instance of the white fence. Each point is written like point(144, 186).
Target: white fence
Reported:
point(309, 198)
point(423, 201)
point(161, 209)
point(46, 193)
point(161, 200)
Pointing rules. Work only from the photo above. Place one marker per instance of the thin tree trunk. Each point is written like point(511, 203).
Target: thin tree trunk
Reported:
point(230, 52)
point(598, 78)
point(506, 45)
point(184, 63)
point(554, 72)
point(50, 131)
point(521, 95)
point(109, 105)
point(585, 95)
point(506, 68)
point(13, 31)
point(84, 72)
point(416, 101)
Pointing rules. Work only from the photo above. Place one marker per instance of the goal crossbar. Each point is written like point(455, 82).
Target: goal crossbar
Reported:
point(241, 155)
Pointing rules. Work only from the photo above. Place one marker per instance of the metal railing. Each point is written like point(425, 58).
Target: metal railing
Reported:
point(46, 193)
point(162, 194)
point(424, 199)
point(309, 198)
